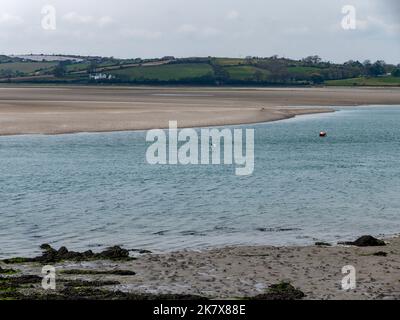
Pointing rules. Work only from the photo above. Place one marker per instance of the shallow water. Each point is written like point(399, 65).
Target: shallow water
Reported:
point(93, 190)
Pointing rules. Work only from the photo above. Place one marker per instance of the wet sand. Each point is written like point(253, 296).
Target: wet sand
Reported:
point(238, 272)
point(69, 109)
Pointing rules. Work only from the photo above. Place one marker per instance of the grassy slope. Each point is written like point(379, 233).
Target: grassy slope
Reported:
point(244, 72)
point(27, 67)
point(236, 68)
point(166, 72)
point(77, 66)
point(362, 81)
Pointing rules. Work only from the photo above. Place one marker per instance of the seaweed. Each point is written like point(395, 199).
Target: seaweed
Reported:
point(51, 255)
point(98, 272)
point(281, 291)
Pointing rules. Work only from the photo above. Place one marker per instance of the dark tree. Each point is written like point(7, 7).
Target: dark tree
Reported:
point(92, 66)
point(312, 60)
point(60, 70)
point(376, 69)
point(396, 72)
point(316, 78)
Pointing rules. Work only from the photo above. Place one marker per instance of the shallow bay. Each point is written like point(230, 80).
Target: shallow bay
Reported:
point(91, 190)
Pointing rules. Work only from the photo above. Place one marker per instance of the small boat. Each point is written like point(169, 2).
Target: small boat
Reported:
point(322, 134)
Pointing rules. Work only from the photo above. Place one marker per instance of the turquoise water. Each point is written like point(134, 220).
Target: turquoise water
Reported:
point(93, 190)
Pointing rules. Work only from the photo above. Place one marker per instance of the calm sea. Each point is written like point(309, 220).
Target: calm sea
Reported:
point(93, 190)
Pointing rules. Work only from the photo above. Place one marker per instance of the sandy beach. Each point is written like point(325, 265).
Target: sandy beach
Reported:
point(241, 272)
point(67, 109)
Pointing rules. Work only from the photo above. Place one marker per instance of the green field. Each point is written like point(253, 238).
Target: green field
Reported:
point(196, 71)
point(165, 72)
point(26, 67)
point(362, 81)
point(243, 73)
point(82, 66)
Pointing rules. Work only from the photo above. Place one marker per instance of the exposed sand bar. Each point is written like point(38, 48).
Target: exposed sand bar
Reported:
point(69, 109)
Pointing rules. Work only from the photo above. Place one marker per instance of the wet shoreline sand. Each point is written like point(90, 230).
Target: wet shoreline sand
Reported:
point(72, 109)
point(240, 272)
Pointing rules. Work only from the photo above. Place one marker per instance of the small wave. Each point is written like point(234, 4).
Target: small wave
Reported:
point(278, 229)
point(191, 233)
point(161, 233)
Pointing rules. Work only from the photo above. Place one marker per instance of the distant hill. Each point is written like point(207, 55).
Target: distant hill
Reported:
point(213, 71)
point(5, 59)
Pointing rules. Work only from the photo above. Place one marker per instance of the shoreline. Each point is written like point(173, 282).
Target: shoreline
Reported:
point(236, 272)
point(68, 109)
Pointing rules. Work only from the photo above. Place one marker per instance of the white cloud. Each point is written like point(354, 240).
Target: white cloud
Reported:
point(75, 18)
point(372, 25)
point(380, 24)
point(10, 20)
point(296, 30)
point(206, 27)
point(187, 29)
point(210, 32)
point(78, 19)
point(232, 15)
point(362, 24)
point(141, 34)
point(105, 21)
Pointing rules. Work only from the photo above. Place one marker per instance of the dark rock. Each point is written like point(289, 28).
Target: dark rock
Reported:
point(141, 251)
point(365, 241)
point(380, 254)
point(62, 251)
point(369, 241)
point(323, 244)
point(50, 255)
point(46, 247)
point(114, 253)
point(88, 253)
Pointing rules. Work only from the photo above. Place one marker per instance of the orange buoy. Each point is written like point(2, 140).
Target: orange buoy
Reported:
point(322, 134)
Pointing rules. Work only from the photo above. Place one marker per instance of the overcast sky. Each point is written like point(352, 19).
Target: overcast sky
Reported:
point(235, 28)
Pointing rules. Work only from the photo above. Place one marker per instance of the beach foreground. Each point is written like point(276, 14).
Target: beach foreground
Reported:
point(68, 109)
point(227, 273)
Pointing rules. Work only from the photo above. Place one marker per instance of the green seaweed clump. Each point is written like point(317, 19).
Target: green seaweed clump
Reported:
point(323, 244)
point(8, 271)
point(98, 272)
point(281, 291)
